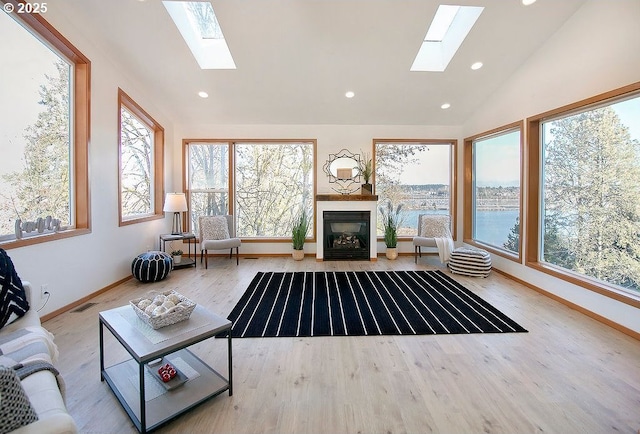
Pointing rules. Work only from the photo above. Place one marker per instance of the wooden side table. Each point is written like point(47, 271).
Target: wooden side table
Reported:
point(189, 237)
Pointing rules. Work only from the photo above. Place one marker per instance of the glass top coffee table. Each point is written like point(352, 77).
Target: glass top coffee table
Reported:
point(148, 402)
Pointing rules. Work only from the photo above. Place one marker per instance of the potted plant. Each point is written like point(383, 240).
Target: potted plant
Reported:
point(177, 256)
point(366, 170)
point(299, 234)
point(391, 221)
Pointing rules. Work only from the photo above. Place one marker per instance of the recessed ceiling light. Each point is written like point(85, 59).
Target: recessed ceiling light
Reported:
point(203, 94)
point(350, 94)
point(528, 2)
point(476, 65)
point(445, 106)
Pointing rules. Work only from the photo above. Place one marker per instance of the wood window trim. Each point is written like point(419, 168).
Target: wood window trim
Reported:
point(124, 100)
point(532, 250)
point(453, 200)
point(468, 191)
point(81, 119)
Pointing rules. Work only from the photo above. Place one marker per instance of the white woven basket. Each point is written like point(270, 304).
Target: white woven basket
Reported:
point(166, 319)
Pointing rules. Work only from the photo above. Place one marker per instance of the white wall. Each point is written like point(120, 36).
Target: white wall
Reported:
point(597, 50)
point(330, 139)
point(76, 267)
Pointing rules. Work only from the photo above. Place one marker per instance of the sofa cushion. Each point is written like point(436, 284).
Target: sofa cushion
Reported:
point(14, 302)
point(15, 408)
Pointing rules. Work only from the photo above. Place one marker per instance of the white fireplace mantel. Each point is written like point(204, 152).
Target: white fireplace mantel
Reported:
point(331, 202)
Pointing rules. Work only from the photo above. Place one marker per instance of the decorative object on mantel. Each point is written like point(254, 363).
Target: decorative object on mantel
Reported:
point(343, 169)
point(366, 170)
point(47, 225)
point(391, 221)
point(299, 233)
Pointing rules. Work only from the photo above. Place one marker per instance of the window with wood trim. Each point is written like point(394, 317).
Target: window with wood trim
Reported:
point(417, 174)
point(44, 124)
point(492, 186)
point(265, 184)
point(140, 163)
point(584, 193)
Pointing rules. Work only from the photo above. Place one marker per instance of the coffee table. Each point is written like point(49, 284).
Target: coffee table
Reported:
point(147, 401)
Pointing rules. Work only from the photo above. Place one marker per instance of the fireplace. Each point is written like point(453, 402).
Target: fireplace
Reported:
point(346, 235)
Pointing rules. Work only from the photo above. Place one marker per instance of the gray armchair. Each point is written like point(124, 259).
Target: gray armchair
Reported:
point(217, 233)
point(434, 230)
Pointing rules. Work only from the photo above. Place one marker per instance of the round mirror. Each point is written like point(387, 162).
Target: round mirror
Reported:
point(344, 167)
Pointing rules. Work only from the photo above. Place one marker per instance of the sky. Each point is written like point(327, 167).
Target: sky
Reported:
point(433, 167)
point(25, 61)
point(498, 161)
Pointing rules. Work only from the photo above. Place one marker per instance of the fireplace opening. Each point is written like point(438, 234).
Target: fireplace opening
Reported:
point(346, 235)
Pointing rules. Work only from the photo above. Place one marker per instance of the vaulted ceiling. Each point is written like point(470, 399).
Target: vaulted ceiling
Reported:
point(296, 58)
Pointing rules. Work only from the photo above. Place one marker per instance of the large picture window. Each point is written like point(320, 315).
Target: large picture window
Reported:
point(418, 175)
point(274, 184)
point(141, 164)
point(265, 184)
point(492, 193)
point(44, 124)
point(589, 203)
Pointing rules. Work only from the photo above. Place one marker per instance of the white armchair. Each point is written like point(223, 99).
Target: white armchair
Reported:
point(434, 230)
point(217, 233)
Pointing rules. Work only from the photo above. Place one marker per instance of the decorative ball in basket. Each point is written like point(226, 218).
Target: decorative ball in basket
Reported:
point(160, 309)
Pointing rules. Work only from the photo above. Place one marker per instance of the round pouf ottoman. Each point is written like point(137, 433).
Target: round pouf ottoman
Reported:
point(470, 262)
point(151, 266)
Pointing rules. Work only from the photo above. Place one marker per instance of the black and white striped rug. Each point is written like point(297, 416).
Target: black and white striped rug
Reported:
point(278, 304)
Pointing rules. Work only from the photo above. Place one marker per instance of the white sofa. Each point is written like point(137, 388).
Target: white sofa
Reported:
point(42, 387)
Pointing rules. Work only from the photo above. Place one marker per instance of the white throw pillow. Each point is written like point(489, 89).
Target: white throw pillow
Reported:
point(215, 228)
point(435, 226)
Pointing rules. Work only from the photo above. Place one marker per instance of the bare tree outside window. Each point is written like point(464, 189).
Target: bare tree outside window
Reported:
point(274, 184)
point(208, 177)
point(205, 18)
point(136, 176)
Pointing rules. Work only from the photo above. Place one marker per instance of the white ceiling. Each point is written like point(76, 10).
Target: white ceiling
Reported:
point(297, 58)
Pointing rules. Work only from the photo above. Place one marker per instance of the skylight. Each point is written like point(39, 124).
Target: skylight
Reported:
point(200, 29)
point(450, 25)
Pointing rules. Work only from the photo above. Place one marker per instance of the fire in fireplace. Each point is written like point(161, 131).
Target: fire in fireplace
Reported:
point(346, 235)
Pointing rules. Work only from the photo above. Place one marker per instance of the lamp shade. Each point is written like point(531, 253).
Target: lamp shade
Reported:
point(175, 202)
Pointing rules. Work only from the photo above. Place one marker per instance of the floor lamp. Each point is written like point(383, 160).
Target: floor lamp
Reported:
point(175, 203)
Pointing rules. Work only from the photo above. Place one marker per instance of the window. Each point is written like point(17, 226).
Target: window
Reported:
point(140, 163)
point(492, 191)
point(264, 183)
point(208, 180)
point(274, 184)
point(417, 174)
point(44, 121)
point(587, 157)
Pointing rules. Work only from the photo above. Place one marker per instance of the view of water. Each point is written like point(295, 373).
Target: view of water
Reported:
point(492, 227)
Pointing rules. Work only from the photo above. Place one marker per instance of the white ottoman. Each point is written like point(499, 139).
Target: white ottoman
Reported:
point(470, 262)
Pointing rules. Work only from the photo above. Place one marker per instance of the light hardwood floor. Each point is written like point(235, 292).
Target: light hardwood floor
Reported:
point(569, 374)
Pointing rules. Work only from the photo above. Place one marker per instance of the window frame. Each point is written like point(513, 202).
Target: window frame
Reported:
point(534, 192)
point(125, 101)
point(453, 177)
point(231, 143)
point(468, 190)
point(81, 120)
